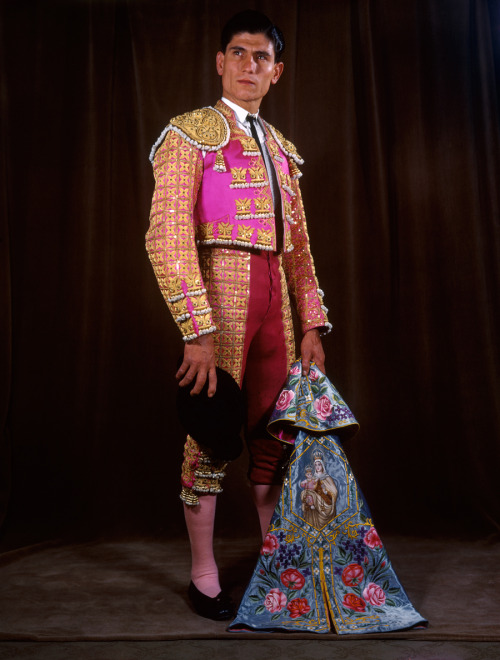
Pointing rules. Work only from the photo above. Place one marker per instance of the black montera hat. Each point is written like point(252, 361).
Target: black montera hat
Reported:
point(214, 422)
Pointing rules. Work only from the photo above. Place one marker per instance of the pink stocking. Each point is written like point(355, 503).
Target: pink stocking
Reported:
point(200, 526)
point(265, 498)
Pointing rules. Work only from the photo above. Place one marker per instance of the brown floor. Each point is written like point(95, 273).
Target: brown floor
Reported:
point(251, 650)
point(126, 599)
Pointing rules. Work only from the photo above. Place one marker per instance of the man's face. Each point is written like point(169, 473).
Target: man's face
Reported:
point(248, 69)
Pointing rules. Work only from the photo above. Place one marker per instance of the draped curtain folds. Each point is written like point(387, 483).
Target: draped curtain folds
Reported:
point(394, 107)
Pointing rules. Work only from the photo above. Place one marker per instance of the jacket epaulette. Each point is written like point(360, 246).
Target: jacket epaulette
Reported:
point(205, 128)
point(288, 147)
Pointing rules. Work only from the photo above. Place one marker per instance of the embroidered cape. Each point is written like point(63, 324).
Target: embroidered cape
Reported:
point(322, 564)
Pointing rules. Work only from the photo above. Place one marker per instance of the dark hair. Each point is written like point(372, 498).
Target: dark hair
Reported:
point(253, 22)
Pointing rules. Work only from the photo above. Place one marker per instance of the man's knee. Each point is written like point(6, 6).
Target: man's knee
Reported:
point(268, 461)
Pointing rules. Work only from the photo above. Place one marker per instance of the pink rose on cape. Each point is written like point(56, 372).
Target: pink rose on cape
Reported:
point(270, 545)
point(372, 539)
point(295, 370)
point(323, 407)
point(374, 594)
point(313, 374)
point(275, 601)
point(285, 399)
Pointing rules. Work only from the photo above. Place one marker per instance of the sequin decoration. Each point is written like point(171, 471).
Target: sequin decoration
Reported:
point(287, 318)
point(205, 127)
point(300, 273)
point(170, 242)
point(200, 473)
point(226, 274)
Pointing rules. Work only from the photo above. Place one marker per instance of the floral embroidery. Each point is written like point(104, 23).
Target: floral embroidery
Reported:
point(323, 407)
point(354, 602)
point(292, 579)
point(372, 539)
point(285, 398)
point(327, 411)
point(352, 575)
point(297, 607)
point(275, 601)
point(322, 560)
point(374, 594)
point(270, 545)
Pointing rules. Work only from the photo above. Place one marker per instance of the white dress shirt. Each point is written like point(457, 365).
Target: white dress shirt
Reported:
point(244, 124)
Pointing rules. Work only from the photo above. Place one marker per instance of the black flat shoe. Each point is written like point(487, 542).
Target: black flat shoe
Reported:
point(219, 608)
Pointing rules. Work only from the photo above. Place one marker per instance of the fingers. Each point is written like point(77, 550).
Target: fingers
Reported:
point(321, 366)
point(212, 382)
point(187, 373)
point(201, 378)
point(187, 377)
point(319, 360)
point(312, 351)
point(198, 364)
point(181, 372)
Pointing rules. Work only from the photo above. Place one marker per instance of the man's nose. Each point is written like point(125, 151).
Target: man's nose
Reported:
point(249, 63)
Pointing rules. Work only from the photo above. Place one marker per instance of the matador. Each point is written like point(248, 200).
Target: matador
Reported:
point(229, 246)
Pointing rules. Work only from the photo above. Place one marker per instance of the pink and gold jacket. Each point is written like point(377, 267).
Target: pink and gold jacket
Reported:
point(212, 188)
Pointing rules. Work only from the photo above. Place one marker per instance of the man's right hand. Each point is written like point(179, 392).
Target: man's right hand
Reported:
point(198, 365)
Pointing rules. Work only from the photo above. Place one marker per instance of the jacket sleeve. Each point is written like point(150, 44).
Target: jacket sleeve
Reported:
point(299, 270)
point(170, 240)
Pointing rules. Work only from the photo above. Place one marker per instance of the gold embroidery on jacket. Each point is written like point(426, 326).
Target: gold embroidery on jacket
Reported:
point(264, 237)
point(220, 165)
point(275, 151)
point(243, 205)
point(179, 307)
point(257, 174)
point(295, 173)
point(174, 287)
point(205, 127)
point(245, 234)
point(225, 231)
point(263, 206)
point(288, 147)
point(249, 145)
point(205, 233)
point(239, 175)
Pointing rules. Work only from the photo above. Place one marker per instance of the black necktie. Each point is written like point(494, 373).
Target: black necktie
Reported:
point(253, 129)
point(277, 203)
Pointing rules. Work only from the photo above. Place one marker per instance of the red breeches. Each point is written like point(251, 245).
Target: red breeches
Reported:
point(254, 342)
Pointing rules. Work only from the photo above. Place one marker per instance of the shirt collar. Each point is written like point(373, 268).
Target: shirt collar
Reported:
point(240, 112)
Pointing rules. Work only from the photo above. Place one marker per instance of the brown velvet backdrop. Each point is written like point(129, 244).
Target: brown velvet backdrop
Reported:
point(394, 105)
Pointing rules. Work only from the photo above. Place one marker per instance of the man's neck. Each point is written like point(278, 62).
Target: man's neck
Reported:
point(241, 112)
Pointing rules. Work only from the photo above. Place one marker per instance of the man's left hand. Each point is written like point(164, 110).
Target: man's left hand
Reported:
point(311, 350)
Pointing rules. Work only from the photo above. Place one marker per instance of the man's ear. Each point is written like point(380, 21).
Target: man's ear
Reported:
point(219, 61)
point(278, 70)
